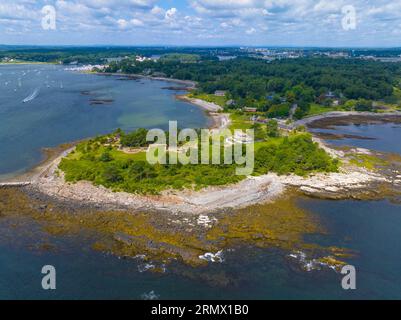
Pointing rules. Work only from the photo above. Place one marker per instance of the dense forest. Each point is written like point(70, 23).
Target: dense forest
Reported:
point(276, 86)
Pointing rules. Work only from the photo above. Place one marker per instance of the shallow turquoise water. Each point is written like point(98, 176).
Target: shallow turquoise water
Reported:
point(62, 113)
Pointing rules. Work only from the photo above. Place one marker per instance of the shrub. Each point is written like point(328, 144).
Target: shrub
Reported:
point(279, 111)
point(135, 139)
point(296, 154)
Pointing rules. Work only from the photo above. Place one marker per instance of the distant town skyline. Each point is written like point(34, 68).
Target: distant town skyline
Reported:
point(295, 23)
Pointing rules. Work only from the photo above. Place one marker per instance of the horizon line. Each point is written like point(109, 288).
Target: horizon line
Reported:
point(196, 46)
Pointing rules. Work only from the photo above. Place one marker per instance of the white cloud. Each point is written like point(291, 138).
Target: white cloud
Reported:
point(250, 31)
point(156, 10)
point(136, 22)
point(16, 11)
point(230, 21)
point(122, 23)
point(171, 13)
point(115, 4)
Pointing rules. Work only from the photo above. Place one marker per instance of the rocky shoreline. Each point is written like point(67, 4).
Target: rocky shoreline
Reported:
point(350, 182)
point(339, 118)
point(256, 190)
point(189, 84)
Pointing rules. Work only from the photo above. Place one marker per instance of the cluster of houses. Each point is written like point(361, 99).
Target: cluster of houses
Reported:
point(270, 54)
point(330, 99)
point(87, 68)
point(142, 59)
point(7, 60)
point(223, 93)
point(138, 58)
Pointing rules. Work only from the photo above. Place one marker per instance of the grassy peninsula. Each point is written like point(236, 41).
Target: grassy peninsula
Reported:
point(118, 161)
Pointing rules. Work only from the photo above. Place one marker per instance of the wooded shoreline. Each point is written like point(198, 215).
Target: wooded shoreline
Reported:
point(251, 191)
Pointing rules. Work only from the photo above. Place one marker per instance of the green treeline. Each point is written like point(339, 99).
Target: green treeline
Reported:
point(275, 87)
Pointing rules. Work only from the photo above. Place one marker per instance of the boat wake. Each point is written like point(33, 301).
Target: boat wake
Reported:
point(32, 96)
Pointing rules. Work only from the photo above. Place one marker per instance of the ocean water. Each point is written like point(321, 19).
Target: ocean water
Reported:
point(372, 229)
point(61, 110)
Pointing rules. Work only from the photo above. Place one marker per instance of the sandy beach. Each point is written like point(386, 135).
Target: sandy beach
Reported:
point(220, 120)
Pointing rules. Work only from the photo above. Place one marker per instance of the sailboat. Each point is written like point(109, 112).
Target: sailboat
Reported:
point(32, 96)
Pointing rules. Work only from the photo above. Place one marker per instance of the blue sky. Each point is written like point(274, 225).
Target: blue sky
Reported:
point(202, 22)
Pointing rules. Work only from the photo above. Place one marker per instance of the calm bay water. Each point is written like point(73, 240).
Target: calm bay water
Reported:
point(383, 137)
point(61, 112)
point(371, 228)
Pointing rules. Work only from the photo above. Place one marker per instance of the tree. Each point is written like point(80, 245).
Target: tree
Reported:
point(135, 139)
point(140, 170)
point(302, 109)
point(363, 105)
point(111, 174)
point(279, 111)
point(272, 129)
point(105, 157)
point(350, 105)
point(258, 131)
